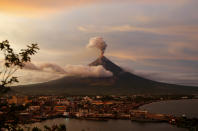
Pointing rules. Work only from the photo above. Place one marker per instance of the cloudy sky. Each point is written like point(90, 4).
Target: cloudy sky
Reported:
point(157, 39)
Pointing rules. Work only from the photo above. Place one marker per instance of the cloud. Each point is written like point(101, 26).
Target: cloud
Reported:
point(48, 71)
point(46, 67)
point(144, 55)
point(173, 78)
point(38, 7)
point(104, 29)
point(30, 7)
point(71, 70)
point(31, 66)
point(184, 49)
point(168, 30)
point(52, 67)
point(32, 77)
point(123, 55)
point(87, 71)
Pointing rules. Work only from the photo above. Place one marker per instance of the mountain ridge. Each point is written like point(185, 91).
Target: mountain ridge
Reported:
point(121, 83)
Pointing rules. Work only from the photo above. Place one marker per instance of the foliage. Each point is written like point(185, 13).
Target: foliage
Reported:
point(191, 124)
point(36, 129)
point(9, 117)
point(13, 61)
point(60, 127)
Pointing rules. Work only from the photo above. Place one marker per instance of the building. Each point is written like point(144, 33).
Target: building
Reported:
point(60, 108)
point(19, 100)
point(34, 108)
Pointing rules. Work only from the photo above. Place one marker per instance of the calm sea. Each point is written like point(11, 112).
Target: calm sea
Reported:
point(111, 125)
point(174, 107)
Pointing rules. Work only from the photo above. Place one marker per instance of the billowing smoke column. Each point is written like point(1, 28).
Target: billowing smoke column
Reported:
point(99, 43)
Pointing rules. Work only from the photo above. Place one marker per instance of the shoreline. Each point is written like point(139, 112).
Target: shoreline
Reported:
point(183, 123)
point(180, 122)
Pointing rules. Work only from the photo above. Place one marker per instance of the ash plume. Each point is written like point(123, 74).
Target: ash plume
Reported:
point(49, 67)
point(99, 43)
point(70, 70)
point(53, 67)
point(87, 71)
point(31, 66)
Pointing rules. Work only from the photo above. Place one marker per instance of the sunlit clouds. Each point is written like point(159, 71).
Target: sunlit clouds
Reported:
point(168, 30)
point(38, 7)
point(147, 36)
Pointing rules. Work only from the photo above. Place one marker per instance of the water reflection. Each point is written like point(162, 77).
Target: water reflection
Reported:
point(114, 125)
point(174, 107)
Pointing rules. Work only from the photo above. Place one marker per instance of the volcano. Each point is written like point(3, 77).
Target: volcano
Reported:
point(121, 75)
point(108, 65)
point(120, 83)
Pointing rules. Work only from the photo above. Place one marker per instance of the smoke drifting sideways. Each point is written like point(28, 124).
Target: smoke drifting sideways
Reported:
point(46, 67)
point(87, 71)
point(71, 70)
point(99, 43)
point(52, 68)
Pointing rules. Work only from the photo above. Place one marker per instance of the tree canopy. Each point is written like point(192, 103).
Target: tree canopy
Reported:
point(13, 61)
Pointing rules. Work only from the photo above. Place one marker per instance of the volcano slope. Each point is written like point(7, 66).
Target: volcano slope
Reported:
point(121, 83)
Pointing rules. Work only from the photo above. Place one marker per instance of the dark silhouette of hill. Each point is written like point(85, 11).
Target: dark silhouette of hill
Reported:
point(121, 83)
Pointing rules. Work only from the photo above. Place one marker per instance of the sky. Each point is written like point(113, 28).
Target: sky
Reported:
point(157, 39)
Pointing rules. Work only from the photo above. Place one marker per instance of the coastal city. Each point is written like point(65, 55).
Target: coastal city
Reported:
point(98, 65)
point(98, 108)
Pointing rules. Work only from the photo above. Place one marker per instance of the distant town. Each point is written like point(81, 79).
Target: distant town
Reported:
point(39, 108)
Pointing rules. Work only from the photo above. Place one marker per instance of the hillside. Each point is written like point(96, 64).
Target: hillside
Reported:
point(121, 83)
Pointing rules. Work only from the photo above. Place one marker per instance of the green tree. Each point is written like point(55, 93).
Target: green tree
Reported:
point(60, 127)
point(12, 62)
point(36, 129)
